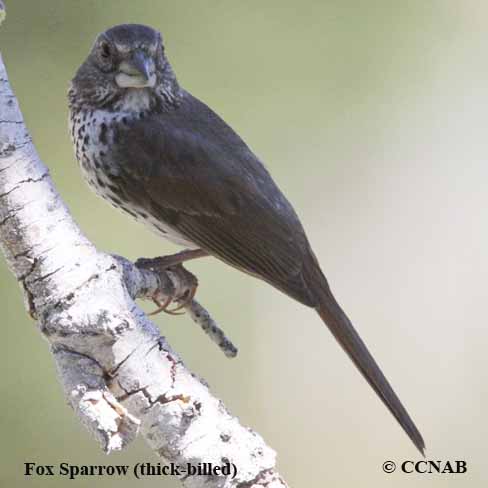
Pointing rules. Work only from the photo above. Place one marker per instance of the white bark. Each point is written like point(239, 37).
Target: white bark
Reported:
point(119, 375)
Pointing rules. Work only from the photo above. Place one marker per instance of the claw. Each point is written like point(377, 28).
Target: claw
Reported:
point(174, 264)
point(174, 312)
point(184, 303)
point(161, 306)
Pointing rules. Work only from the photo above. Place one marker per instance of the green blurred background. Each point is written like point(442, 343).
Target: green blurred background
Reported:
point(372, 118)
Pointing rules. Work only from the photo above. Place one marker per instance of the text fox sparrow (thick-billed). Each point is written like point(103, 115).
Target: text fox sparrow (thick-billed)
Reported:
point(153, 150)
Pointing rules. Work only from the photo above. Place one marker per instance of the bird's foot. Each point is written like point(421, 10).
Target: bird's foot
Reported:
point(187, 282)
point(181, 290)
point(185, 299)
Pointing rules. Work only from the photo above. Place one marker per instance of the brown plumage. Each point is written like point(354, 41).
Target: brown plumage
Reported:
point(155, 151)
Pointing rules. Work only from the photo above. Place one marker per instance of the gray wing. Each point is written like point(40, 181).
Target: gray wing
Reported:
point(200, 177)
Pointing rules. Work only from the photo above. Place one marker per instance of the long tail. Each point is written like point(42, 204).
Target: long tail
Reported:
point(342, 329)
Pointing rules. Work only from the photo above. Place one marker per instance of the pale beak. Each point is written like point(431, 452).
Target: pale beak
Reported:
point(136, 72)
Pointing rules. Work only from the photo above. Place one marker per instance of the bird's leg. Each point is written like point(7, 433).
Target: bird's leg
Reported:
point(173, 263)
point(165, 262)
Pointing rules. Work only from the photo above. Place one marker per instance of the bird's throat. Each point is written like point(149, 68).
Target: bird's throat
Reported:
point(135, 101)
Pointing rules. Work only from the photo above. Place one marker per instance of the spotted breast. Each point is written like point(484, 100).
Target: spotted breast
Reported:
point(92, 133)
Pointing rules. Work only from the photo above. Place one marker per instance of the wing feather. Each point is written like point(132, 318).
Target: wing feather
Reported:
point(197, 175)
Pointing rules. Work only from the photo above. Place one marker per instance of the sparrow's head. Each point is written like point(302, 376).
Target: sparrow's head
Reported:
point(127, 63)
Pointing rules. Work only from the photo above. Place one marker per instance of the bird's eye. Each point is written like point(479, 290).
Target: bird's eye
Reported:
point(105, 51)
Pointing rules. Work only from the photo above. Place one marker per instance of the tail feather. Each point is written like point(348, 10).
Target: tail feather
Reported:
point(345, 334)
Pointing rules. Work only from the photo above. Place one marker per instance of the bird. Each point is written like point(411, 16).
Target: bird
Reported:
point(158, 153)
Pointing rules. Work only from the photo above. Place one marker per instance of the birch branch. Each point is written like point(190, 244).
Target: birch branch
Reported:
point(118, 374)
